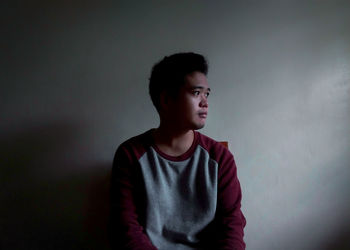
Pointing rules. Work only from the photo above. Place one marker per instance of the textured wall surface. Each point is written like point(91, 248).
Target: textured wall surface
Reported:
point(74, 80)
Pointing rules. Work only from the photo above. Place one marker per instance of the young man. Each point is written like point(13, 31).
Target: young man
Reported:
point(173, 187)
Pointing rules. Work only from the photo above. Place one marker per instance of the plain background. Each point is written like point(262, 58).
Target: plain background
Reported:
point(74, 85)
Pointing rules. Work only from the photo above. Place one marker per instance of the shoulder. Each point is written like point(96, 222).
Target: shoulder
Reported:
point(215, 149)
point(136, 146)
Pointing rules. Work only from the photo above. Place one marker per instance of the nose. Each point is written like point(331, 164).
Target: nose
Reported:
point(204, 102)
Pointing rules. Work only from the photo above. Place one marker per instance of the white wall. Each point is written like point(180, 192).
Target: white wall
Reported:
point(74, 86)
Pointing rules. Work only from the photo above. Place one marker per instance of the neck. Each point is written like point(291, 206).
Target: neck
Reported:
point(173, 141)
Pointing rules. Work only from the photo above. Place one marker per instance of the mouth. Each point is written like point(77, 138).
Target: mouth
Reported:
point(203, 114)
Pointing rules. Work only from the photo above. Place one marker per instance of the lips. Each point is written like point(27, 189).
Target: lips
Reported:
point(203, 114)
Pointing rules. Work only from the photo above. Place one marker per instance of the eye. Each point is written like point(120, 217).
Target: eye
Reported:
point(207, 94)
point(196, 93)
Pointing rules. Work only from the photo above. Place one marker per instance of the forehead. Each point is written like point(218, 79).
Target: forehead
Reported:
point(196, 80)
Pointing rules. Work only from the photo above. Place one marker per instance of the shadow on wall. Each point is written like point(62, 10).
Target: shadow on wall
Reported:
point(342, 242)
point(50, 197)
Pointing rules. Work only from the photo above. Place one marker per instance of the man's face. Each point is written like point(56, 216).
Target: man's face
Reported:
point(191, 105)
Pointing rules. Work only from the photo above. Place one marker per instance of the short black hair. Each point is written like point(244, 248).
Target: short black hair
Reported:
point(168, 75)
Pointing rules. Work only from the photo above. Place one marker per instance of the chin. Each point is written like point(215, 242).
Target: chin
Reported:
point(198, 126)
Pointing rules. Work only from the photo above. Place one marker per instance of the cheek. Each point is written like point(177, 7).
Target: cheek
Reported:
point(195, 103)
point(191, 105)
point(188, 104)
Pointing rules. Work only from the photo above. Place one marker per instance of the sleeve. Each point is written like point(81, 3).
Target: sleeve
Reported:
point(125, 229)
point(229, 219)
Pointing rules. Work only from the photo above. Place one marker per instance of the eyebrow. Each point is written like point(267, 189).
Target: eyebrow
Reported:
point(200, 87)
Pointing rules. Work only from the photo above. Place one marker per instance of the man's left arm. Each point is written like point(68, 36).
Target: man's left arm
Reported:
point(230, 220)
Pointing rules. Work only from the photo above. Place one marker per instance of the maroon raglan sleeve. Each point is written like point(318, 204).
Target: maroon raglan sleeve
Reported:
point(126, 231)
point(229, 220)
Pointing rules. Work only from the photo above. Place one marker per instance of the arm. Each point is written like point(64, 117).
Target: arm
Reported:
point(229, 219)
point(125, 229)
